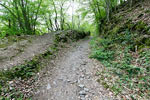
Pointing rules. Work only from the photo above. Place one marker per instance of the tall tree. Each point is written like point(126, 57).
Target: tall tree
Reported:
point(24, 12)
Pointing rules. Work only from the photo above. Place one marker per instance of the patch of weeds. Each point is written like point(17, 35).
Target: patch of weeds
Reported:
point(147, 11)
point(22, 72)
point(116, 89)
point(105, 85)
point(102, 52)
point(132, 74)
point(123, 38)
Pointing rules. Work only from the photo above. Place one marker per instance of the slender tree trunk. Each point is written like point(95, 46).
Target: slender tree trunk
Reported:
point(56, 16)
point(9, 23)
point(108, 8)
point(25, 17)
point(18, 15)
point(51, 23)
point(62, 19)
point(72, 4)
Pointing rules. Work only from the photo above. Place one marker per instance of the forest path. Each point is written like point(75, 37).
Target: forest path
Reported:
point(24, 50)
point(73, 77)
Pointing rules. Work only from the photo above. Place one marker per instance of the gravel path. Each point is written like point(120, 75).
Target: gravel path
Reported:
point(73, 77)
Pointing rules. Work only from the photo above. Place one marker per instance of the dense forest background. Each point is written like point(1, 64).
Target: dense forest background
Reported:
point(41, 16)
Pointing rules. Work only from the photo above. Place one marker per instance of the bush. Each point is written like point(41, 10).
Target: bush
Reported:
point(70, 35)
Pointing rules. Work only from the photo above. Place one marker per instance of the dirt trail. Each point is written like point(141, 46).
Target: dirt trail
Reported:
point(24, 50)
point(73, 77)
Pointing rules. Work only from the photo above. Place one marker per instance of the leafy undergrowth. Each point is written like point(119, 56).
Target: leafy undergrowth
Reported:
point(125, 72)
point(124, 50)
point(19, 82)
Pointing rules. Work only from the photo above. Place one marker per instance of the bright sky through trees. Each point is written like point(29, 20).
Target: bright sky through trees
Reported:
point(73, 7)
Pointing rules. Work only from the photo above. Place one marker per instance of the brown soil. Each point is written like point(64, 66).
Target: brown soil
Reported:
point(24, 50)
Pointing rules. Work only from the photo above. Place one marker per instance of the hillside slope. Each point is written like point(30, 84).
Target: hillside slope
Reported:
point(23, 50)
point(15, 50)
point(124, 50)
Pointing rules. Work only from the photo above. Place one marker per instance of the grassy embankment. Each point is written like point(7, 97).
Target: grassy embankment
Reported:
point(124, 50)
